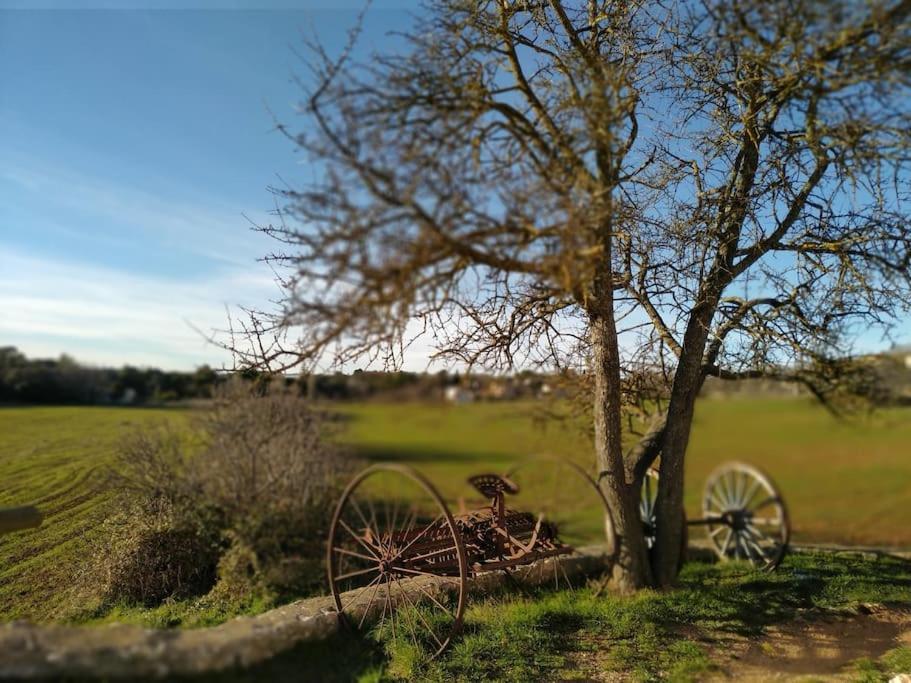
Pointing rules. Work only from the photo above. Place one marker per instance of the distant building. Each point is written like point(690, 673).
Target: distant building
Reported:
point(894, 372)
point(457, 394)
point(901, 353)
point(907, 354)
point(497, 390)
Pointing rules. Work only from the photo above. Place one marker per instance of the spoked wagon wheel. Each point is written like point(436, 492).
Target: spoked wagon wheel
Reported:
point(647, 512)
point(569, 505)
point(745, 515)
point(395, 558)
point(647, 507)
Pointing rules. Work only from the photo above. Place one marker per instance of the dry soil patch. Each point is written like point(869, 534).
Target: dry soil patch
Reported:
point(814, 647)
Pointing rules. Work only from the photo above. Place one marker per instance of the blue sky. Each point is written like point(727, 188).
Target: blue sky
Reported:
point(133, 141)
point(132, 144)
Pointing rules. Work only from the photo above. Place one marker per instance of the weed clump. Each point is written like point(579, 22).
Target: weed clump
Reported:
point(152, 556)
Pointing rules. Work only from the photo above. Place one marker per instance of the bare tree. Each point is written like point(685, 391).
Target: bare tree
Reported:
point(650, 192)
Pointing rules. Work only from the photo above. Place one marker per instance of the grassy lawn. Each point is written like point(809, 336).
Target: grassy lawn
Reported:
point(578, 635)
point(56, 459)
point(843, 482)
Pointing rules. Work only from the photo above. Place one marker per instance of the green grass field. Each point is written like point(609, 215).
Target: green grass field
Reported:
point(843, 482)
point(846, 482)
point(58, 460)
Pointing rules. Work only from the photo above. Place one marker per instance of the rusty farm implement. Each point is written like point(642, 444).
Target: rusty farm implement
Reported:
point(399, 558)
point(393, 543)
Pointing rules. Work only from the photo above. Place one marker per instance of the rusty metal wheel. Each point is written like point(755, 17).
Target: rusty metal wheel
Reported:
point(562, 495)
point(746, 517)
point(395, 559)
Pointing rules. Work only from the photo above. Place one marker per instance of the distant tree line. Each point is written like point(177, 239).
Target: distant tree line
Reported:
point(64, 380)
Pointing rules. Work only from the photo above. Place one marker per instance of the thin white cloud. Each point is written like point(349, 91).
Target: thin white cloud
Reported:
point(206, 227)
point(108, 316)
point(103, 315)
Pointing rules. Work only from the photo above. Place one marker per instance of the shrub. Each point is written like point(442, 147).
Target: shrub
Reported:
point(270, 470)
point(242, 498)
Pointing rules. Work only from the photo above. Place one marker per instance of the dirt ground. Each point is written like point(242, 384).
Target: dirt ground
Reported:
point(814, 649)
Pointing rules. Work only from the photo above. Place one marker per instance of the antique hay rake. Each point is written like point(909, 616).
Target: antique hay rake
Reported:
point(397, 555)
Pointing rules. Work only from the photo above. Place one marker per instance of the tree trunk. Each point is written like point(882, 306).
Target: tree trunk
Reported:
point(669, 503)
point(631, 569)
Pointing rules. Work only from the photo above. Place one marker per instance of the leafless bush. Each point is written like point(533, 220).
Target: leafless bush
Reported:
point(254, 473)
point(270, 470)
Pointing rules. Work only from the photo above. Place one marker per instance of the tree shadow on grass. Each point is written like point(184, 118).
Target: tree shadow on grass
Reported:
point(736, 600)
